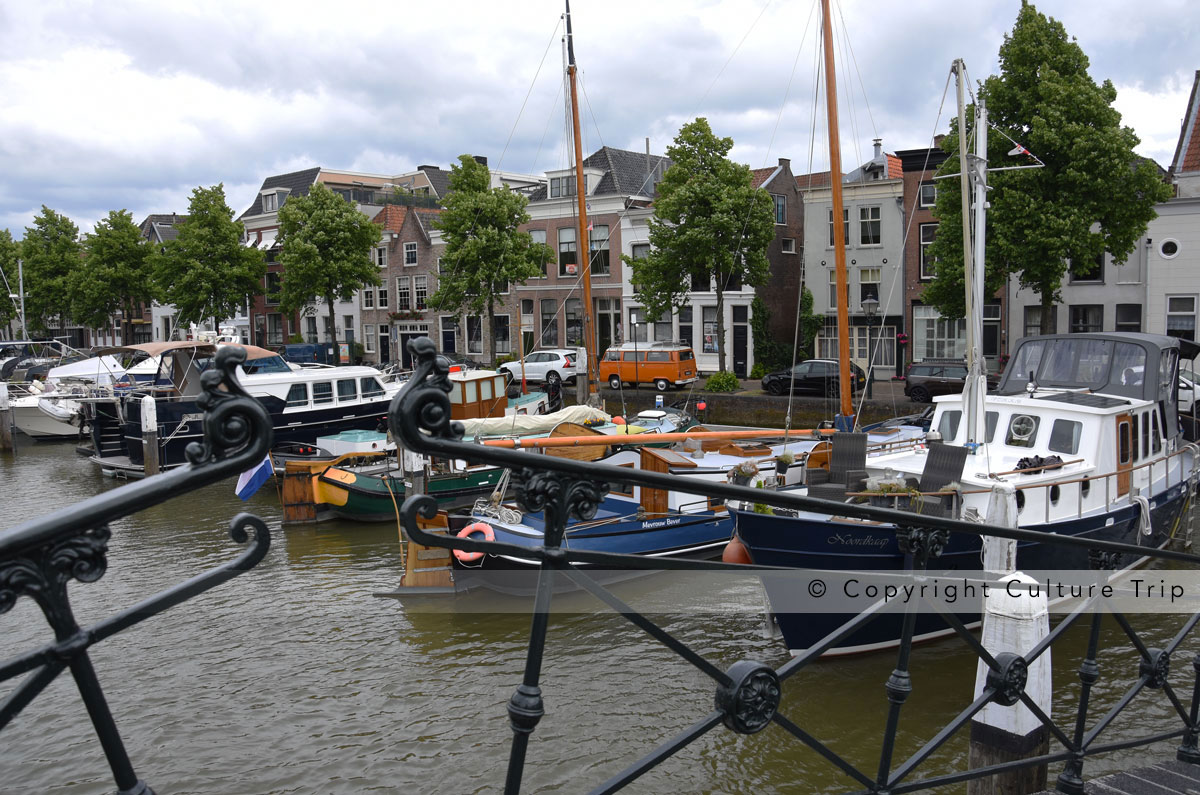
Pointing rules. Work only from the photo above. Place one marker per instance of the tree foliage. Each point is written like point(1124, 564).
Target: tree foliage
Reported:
point(206, 271)
point(10, 252)
point(709, 221)
point(1094, 195)
point(326, 253)
point(485, 250)
point(51, 252)
point(114, 274)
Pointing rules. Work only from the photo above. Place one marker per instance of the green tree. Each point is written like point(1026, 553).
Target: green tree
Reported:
point(1094, 195)
point(326, 253)
point(485, 250)
point(115, 273)
point(206, 271)
point(709, 221)
point(51, 251)
point(10, 252)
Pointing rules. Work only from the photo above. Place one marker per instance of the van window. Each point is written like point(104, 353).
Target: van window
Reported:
point(612, 356)
point(633, 356)
point(658, 356)
point(370, 387)
point(322, 392)
point(347, 389)
point(298, 395)
point(686, 356)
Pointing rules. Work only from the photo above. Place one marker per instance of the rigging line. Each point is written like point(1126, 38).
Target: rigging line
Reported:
point(721, 71)
point(546, 128)
point(532, 83)
point(846, 86)
point(858, 72)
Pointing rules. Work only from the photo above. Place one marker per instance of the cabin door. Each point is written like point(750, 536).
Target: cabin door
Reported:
point(1124, 452)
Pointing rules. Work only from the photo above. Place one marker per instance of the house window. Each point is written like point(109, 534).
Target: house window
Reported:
point(780, 208)
point(1086, 318)
point(348, 324)
point(868, 283)
point(1033, 321)
point(368, 339)
point(549, 336)
point(1129, 318)
point(685, 325)
point(382, 295)
point(566, 251)
point(539, 238)
point(562, 186)
point(381, 256)
point(272, 297)
point(638, 331)
point(869, 226)
point(274, 329)
point(474, 334)
point(1092, 272)
point(310, 329)
point(712, 342)
point(368, 298)
point(845, 226)
point(403, 294)
point(449, 334)
point(500, 333)
point(833, 293)
point(270, 202)
point(1181, 316)
point(420, 291)
point(663, 328)
point(599, 249)
point(1169, 248)
point(928, 233)
point(410, 254)
point(733, 282)
point(574, 312)
point(640, 250)
point(935, 337)
point(927, 197)
point(789, 245)
point(439, 263)
point(701, 283)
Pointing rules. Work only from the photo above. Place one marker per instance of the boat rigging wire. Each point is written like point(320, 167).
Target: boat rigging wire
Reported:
point(525, 102)
point(721, 71)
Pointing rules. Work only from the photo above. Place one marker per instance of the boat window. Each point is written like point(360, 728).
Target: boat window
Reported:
point(1064, 436)
point(1022, 430)
point(456, 393)
point(267, 364)
point(1146, 435)
point(322, 392)
point(625, 489)
point(1029, 358)
point(1168, 362)
point(1128, 367)
point(658, 356)
point(991, 418)
point(1157, 439)
point(297, 395)
point(370, 387)
point(347, 389)
point(1081, 362)
point(1135, 447)
point(485, 389)
point(948, 425)
point(1123, 442)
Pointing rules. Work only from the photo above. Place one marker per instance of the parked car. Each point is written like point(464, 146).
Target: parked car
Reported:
point(1187, 395)
point(552, 364)
point(663, 364)
point(307, 353)
point(930, 377)
point(814, 376)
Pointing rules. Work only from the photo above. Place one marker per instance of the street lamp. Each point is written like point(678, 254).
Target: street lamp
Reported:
point(870, 307)
point(635, 324)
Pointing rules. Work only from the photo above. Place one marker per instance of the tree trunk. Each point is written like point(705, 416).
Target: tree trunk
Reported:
point(331, 331)
point(485, 327)
point(1048, 314)
point(720, 322)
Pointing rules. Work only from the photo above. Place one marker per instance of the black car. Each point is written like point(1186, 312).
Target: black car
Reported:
point(815, 376)
point(931, 377)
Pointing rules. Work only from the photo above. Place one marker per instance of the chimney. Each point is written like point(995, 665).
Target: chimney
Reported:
point(878, 148)
point(785, 163)
point(480, 159)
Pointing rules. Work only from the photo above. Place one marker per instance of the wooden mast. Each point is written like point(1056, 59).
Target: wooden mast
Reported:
point(839, 234)
point(583, 243)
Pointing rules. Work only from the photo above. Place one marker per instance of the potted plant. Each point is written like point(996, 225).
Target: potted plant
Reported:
point(743, 473)
point(783, 461)
point(892, 494)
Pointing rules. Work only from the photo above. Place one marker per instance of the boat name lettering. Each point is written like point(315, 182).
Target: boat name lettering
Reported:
point(857, 541)
point(660, 523)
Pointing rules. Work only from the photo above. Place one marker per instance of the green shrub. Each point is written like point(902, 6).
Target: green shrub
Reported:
point(758, 370)
point(296, 339)
point(505, 360)
point(722, 382)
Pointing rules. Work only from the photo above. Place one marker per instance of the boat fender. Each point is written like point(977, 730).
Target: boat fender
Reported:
point(736, 552)
point(478, 527)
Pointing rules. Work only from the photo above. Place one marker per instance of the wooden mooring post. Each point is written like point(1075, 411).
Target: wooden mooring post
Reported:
point(149, 436)
point(1008, 731)
point(6, 420)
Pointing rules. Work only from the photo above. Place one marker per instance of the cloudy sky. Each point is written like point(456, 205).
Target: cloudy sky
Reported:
point(125, 105)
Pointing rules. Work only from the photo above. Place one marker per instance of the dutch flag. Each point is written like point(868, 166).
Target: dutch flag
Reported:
point(250, 480)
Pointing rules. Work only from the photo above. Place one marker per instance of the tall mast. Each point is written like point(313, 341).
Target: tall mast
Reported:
point(973, 170)
point(583, 246)
point(839, 235)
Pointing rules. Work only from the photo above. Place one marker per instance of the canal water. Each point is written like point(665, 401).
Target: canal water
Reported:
point(296, 678)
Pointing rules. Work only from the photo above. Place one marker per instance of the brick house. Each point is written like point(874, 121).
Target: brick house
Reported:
point(781, 293)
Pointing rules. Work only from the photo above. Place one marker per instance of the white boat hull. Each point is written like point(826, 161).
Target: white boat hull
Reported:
point(33, 422)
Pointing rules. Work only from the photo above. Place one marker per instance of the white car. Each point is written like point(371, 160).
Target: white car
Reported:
point(1187, 395)
point(554, 364)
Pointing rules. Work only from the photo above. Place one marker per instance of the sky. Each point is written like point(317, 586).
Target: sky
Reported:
point(116, 104)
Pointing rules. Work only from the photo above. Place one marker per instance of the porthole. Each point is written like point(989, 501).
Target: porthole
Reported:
point(1085, 487)
point(1054, 493)
point(1020, 500)
point(1168, 248)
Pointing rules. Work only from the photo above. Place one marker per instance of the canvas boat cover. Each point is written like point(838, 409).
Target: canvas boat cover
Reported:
point(521, 425)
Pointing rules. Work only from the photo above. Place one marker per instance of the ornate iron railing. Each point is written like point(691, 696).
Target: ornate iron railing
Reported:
point(748, 694)
point(39, 558)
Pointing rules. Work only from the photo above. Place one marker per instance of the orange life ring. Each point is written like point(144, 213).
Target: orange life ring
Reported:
point(478, 527)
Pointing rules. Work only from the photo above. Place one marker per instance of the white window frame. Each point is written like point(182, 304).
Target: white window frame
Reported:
point(780, 208)
point(367, 298)
point(833, 302)
point(865, 277)
point(845, 226)
point(1180, 313)
point(789, 245)
point(926, 271)
point(535, 234)
point(420, 293)
point(381, 253)
point(368, 341)
point(410, 252)
point(407, 291)
point(870, 217)
point(921, 200)
point(270, 202)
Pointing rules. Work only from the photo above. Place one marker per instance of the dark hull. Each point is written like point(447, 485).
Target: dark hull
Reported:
point(808, 543)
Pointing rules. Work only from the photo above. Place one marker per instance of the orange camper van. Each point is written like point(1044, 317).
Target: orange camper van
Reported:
point(664, 364)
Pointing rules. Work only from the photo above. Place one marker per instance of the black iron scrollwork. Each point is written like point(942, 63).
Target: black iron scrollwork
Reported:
point(43, 573)
point(1156, 667)
point(1009, 680)
point(560, 496)
point(751, 698)
point(422, 406)
point(232, 418)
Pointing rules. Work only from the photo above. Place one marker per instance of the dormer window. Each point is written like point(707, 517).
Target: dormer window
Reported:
point(270, 202)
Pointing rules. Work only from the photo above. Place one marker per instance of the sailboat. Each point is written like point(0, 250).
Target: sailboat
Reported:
point(1084, 426)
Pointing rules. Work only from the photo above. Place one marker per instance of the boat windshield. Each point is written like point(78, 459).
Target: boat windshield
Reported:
point(267, 364)
point(1081, 363)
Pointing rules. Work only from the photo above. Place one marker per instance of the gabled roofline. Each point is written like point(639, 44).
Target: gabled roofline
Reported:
point(1187, 128)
